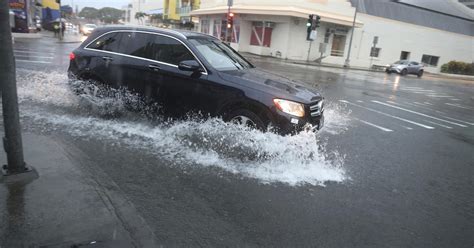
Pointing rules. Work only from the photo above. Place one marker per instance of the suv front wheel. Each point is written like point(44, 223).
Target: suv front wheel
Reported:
point(246, 118)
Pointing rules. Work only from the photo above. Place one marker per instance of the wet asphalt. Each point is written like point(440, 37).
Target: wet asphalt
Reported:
point(408, 152)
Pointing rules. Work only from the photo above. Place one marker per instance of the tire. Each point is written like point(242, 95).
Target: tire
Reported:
point(404, 72)
point(251, 119)
point(420, 74)
point(388, 72)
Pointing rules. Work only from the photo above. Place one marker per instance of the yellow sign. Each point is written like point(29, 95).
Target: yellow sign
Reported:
point(50, 4)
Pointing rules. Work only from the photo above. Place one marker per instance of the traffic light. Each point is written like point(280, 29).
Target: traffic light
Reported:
point(316, 22)
point(230, 20)
point(309, 24)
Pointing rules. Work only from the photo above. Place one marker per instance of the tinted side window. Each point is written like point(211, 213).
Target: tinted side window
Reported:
point(169, 50)
point(108, 42)
point(137, 44)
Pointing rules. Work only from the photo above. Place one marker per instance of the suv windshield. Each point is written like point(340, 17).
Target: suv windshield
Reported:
point(401, 62)
point(219, 55)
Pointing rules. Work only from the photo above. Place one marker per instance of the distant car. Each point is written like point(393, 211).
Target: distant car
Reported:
point(191, 72)
point(88, 28)
point(404, 67)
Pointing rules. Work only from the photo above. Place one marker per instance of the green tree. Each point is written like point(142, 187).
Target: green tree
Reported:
point(89, 13)
point(139, 16)
point(110, 15)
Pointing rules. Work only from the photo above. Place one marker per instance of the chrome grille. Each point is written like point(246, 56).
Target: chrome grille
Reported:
point(317, 108)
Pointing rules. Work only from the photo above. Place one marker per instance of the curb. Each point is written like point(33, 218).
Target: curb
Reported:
point(26, 35)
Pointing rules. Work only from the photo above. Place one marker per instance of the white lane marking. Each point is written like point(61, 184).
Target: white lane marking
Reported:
point(418, 113)
point(34, 56)
point(34, 52)
point(33, 61)
point(457, 105)
point(428, 103)
point(439, 96)
point(419, 105)
point(409, 128)
point(465, 122)
point(376, 126)
point(455, 99)
point(359, 101)
point(438, 124)
point(412, 88)
point(389, 115)
point(417, 90)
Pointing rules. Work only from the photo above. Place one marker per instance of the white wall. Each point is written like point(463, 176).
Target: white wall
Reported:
point(289, 38)
point(395, 36)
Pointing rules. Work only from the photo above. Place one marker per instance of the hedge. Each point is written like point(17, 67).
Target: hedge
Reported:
point(457, 67)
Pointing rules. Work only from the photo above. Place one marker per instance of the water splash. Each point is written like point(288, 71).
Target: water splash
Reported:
point(268, 157)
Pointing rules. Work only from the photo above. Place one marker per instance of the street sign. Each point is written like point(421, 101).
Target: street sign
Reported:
point(374, 52)
point(376, 40)
point(230, 3)
point(322, 47)
point(312, 35)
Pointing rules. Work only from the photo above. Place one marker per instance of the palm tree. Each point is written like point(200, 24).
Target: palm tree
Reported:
point(139, 16)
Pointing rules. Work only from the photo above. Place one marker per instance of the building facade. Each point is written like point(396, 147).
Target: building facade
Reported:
point(148, 7)
point(177, 12)
point(278, 28)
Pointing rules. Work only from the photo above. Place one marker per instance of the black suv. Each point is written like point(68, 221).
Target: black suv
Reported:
point(193, 72)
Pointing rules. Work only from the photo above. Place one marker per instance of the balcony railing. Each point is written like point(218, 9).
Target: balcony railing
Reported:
point(185, 10)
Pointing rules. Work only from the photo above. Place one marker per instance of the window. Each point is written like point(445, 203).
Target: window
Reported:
point(405, 55)
point(327, 35)
point(205, 26)
point(261, 34)
point(430, 60)
point(236, 31)
point(136, 44)
point(374, 52)
point(338, 45)
point(169, 50)
point(219, 55)
point(108, 42)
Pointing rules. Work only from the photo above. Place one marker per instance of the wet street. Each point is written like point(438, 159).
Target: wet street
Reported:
point(393, 166)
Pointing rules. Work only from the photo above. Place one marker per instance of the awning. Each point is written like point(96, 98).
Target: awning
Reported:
point(154, 12)
point(280, 11)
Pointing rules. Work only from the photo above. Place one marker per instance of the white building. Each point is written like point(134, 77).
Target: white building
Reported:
point(146, 6)
point(404, 29)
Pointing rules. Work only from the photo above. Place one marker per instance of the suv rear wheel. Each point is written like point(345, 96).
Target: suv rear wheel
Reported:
point(246, 118)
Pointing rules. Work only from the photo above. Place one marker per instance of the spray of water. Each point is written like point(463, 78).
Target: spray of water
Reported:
point(48, 103)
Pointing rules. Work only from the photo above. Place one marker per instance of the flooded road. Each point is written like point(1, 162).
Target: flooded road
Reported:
point(392, 167)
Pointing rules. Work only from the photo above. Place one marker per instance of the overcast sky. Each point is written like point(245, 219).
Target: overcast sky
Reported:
point(96, 3)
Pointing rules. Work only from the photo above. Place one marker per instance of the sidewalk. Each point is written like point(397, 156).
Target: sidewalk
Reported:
point(68, 37)
point(67, 205)
point(312, 63)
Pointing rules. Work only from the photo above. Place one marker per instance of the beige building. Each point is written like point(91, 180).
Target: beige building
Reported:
point(278, 28)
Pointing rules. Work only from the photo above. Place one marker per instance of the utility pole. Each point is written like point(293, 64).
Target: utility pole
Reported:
point(12, 141)
point(347, 62)
point(60, 21)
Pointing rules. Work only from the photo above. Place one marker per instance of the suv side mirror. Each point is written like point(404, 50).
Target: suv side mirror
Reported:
point(189, 65)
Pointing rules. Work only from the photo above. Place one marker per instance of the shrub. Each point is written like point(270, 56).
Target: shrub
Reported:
point(457, 67)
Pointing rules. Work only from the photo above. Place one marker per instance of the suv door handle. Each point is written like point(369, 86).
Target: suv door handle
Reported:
point(154, 67)
point(107, 58)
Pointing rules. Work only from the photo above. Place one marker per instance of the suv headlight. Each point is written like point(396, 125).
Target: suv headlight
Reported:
point(289, 107)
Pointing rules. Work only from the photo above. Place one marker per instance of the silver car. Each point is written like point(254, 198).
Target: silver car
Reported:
point(404, 67)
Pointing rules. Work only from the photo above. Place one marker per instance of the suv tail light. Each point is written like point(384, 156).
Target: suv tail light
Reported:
point(72, 56)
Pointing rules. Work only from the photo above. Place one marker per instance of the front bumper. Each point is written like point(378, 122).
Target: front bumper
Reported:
point(393, 69)
point(288, 124)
